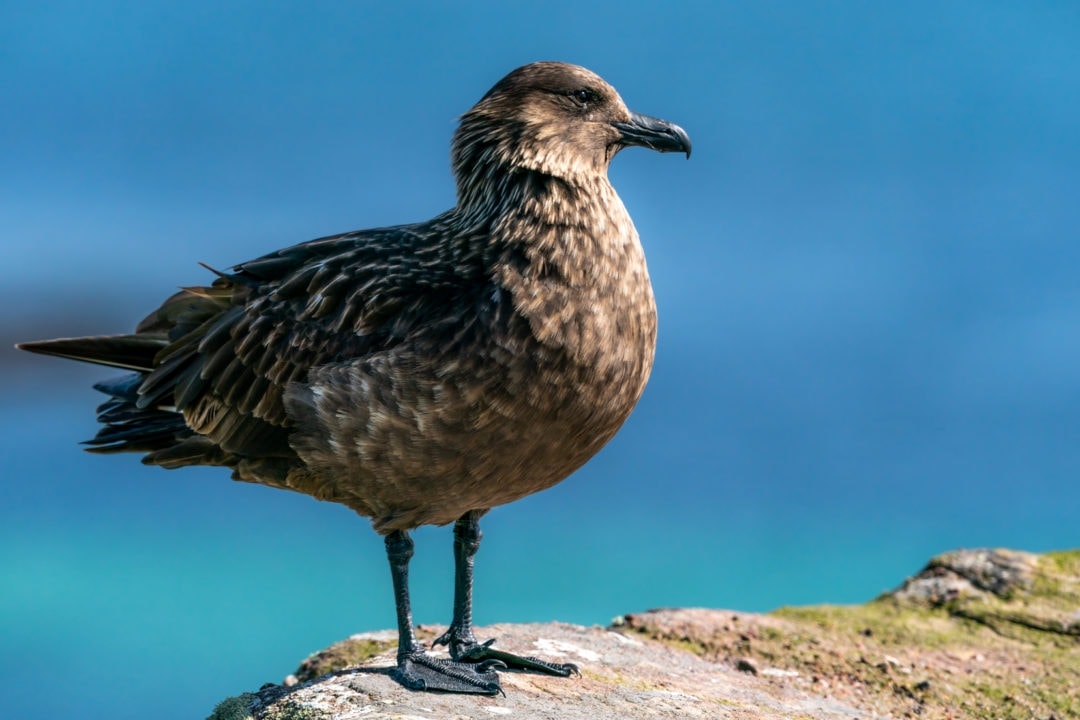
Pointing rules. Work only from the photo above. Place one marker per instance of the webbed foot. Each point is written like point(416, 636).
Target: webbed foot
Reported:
point(465, 649)
point(419, 671)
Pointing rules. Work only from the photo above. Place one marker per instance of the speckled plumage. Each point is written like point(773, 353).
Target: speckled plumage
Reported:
point(424, 373)
point(414, 373)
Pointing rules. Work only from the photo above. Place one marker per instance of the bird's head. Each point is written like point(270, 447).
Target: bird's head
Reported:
point(558, 119)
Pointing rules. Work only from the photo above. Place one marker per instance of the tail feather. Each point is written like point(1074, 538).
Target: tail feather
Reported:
point(126, 426)
point(146, 435)
point(124, 387)
point(147, 410)
point(129, 428)
point(130, 352)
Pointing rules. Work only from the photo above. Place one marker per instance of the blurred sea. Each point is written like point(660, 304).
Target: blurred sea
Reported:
point(870, 317)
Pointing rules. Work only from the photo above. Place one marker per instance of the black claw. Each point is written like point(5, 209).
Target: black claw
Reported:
point(491, 664)
point(409, 680)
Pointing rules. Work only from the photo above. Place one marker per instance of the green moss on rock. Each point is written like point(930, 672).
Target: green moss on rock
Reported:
point(233, 708)
point(341, 655)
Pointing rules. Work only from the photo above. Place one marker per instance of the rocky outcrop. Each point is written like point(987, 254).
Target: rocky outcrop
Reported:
point(976, 634)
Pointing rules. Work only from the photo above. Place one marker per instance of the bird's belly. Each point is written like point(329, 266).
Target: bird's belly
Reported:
point(410, 442)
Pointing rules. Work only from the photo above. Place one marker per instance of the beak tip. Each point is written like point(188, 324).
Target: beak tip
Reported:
point(684, 139)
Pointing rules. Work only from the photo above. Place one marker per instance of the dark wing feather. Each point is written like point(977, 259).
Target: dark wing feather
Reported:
point(234, 347)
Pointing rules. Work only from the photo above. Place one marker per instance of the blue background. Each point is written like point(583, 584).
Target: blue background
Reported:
point(867, 279)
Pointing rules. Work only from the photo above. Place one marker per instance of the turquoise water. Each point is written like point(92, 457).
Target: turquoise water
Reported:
point(129, 588)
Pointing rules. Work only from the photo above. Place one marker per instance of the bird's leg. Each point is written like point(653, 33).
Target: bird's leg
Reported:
point(459, 637)
point(415, 668)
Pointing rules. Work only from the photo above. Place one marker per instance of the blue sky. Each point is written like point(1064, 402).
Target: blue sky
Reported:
point(866, 274)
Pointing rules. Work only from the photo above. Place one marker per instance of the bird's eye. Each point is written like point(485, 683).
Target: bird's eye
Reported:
point(582, 96)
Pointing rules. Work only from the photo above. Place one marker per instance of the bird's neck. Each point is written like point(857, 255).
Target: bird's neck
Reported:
point(570, 258)
point(498, 166)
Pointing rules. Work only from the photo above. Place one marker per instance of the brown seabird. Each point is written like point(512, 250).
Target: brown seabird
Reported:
point(420, 374)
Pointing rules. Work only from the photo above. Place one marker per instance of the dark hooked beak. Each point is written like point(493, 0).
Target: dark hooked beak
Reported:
point(653, 133)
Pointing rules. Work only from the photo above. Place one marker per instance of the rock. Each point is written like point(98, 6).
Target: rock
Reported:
point(1005, 644)
point(623, 676)
point(351, 651)
point(970, 573)
point(1009, 591)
